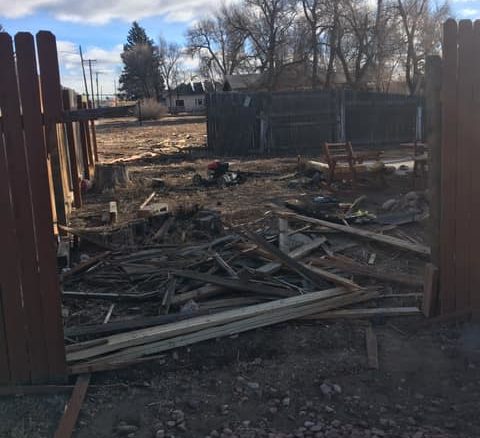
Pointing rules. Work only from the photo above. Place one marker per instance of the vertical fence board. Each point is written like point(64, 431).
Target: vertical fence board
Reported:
point(449, 160)
point(67, 105)
point(9, 272)
point(463, 172)
point(22, 209)
point(50, 303)
point(475, 159)
point(52, 109)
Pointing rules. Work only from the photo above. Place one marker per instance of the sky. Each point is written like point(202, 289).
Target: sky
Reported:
point(101, 26)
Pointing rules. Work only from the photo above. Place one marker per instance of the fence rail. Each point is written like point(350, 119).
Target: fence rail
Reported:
point(299, 122)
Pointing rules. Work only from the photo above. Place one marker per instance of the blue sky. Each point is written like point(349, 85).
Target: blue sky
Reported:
point(101, 26)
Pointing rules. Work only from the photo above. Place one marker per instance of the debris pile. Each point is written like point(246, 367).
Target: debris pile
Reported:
point(193, 278)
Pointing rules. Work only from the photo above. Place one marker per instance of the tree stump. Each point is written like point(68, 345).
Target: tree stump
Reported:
point(110, 176)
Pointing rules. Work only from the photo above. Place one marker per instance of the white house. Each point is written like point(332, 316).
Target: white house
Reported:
point(189, 97)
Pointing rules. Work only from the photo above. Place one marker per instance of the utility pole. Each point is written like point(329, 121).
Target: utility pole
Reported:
point(96, 80)
point(91, 79)
point(84, 75)
point(115, 90)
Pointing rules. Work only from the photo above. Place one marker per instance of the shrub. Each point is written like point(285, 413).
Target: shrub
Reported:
point(150, 109)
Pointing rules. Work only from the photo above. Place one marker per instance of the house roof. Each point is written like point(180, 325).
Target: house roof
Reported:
point(195, 88)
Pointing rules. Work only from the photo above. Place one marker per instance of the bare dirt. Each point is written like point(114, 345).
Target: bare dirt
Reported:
point(301, 379)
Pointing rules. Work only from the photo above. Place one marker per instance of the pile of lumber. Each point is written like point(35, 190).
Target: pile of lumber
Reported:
point(240, 281)
point(117, 349)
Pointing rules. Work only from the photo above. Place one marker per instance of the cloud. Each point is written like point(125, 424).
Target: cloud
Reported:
point(104, 11)
point(469, 12)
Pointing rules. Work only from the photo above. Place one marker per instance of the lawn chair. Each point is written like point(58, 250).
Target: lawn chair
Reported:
point(342, 155)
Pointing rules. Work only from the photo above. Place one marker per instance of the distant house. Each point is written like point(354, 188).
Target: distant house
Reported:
point(189, 97)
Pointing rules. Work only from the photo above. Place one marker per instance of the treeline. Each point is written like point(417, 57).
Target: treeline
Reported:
point(374, 42)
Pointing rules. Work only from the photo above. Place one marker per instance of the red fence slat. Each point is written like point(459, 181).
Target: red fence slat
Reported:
point(464, 167)
point(449, 160)
point(22, 209)
point(37, 159)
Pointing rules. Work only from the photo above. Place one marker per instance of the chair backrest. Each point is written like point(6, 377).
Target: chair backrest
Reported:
point(338, 151)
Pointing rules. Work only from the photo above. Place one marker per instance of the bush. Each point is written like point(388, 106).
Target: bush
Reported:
point(150, 109)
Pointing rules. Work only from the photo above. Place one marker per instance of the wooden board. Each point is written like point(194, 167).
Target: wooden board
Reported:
point(464, 166)
point(26, 346)
point(70, 416)
point(240, 325)
point(9, 273)
point(449, 167)
point(47, 303)
point(366, 234)
point(430, 290)
point(144, 336)
point(372, 348)
point(52, 109)
point(475, 193)
point(69, 96)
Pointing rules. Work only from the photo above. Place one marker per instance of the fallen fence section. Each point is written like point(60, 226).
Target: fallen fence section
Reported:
point(301, 121)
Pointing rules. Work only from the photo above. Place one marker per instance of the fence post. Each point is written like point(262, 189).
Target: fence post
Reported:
point(434, 141)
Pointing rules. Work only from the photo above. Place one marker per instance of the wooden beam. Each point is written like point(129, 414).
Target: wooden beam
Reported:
point(358, 232)
point(430, 290)
point(239, 285)
point(372, 348)
point(349, 265)
point(313, 275)
point(70, 416)
point(366, 313)
point(153, 334)
point(284, 312)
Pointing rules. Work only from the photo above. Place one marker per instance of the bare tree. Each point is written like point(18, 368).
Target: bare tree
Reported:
point(268, 25)
point(421, 31)
point(170, 55)
point(315, 13)
point(218, 45)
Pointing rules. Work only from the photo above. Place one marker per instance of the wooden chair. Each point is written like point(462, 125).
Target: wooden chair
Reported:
point(342, 153)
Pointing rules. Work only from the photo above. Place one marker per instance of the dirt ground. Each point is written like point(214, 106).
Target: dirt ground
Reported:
point(299, 379)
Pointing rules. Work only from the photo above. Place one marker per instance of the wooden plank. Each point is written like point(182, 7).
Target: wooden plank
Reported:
point(9, 268)
point(26, 346)
point(430, 290)
point(84, 143)
point(52, 109)
point(474, 255)
point(227, 329)
point(154, 334)
point(47, 303)
point(464, 165)
point(238, 285)
point(366, 313)
point(314, 275)
point(434, 141)
point(449, 167)
point(372, 348)
point(298, 253)
point(349, 265)
point(70, 416)
point(68, 96)
point(358, 232)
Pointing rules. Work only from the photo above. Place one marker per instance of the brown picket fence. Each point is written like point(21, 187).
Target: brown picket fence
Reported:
point(459, 176)
point(43, 159)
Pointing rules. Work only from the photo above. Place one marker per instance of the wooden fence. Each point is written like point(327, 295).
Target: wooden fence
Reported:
point(299, 122)
point(456, 186)
point(43, 158)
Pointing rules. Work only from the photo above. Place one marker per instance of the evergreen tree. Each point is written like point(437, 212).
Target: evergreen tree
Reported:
point(141, 78)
